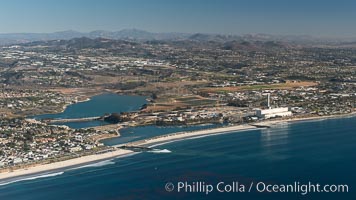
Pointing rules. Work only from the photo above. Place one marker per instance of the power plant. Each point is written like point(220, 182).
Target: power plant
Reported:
point(272, 112)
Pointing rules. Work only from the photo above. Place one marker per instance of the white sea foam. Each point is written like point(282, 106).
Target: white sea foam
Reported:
point(160, 151)
point(32, 178)
point(105, 162)
point(208, 124)
point(98, 164)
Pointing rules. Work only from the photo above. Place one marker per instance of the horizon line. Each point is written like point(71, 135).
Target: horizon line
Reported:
point(192, 33)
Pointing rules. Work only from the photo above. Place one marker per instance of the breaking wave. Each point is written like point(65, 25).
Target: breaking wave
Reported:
point(98, 164)
point(32, 178)
point(160, 151)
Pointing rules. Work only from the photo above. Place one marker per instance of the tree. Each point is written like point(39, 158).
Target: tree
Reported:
point(113, 118)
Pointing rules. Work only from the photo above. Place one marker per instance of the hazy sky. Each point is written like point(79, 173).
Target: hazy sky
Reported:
point(310, 17)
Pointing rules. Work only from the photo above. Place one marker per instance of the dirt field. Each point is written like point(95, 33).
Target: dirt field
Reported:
point(285, 86)
point(173, 102)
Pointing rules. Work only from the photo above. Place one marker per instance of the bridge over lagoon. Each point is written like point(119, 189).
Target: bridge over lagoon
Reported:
point(51, 121)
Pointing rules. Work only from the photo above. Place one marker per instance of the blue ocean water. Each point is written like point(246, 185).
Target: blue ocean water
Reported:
point(142, 132)
point(319, 151)
point(97, 106)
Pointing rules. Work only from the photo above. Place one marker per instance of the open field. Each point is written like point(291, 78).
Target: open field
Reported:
point(173, 102)
point(282, 86)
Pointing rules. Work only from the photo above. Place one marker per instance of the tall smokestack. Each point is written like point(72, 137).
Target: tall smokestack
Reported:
point(268, 100)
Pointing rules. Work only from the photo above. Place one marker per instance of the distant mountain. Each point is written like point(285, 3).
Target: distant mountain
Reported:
point(10, 38)
point(141, 35)
point(214, 37)
point(82, 42)
point(128, 34)
point(297, 39)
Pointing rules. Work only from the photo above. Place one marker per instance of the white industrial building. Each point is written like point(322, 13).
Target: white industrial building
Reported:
point(272, 112)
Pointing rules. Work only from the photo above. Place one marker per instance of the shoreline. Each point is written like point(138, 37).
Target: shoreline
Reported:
point(87, 96)
point(155, 141)
point(65, 106)
point(304, 119)
point(171, 137)
point(82, 98)
point(63, 164)
point(113, 154)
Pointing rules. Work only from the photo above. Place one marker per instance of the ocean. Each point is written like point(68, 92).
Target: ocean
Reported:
point(320, 152)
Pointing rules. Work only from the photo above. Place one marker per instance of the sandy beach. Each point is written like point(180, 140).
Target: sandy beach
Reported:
point(296, 119)
point(146, 142)
point(63, 164)
point(120, 152)
point(227, 129)
point(182, 135)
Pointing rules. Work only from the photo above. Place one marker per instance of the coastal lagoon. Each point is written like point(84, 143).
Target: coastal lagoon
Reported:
point(110, 103)
point(97, 106)
point(319, 151)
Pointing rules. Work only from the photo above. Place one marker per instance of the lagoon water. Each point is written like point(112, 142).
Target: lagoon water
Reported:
point(97, 106)
point(321, 151)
